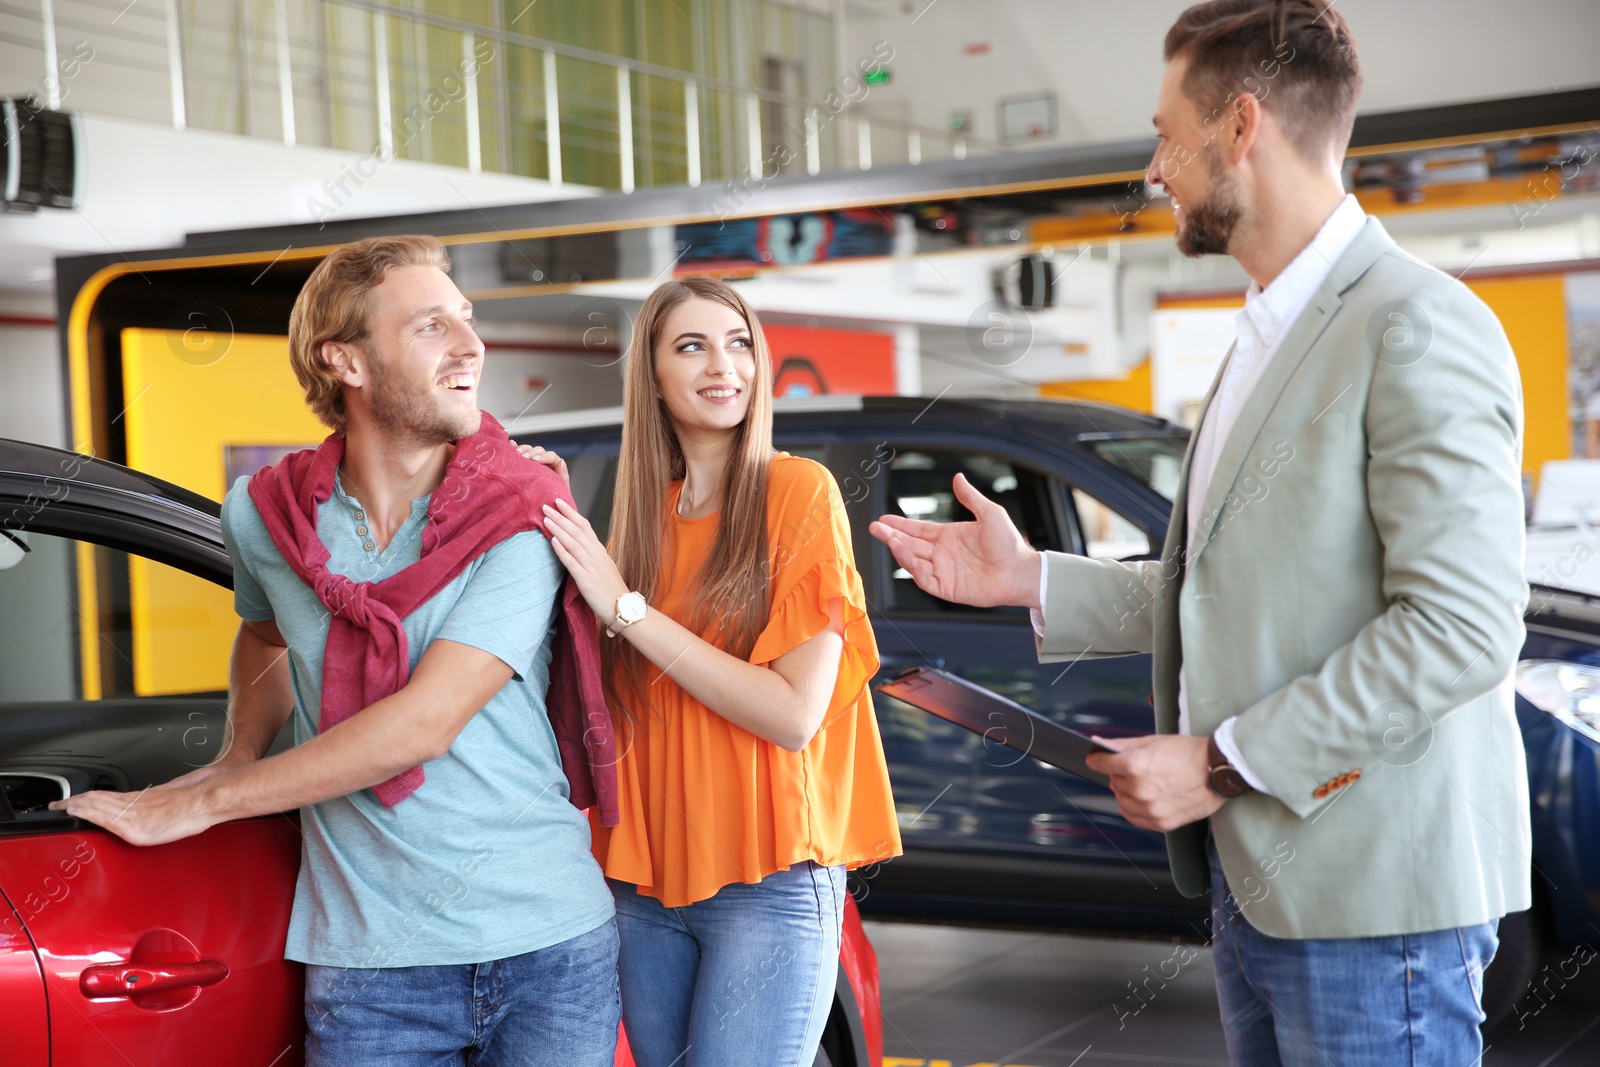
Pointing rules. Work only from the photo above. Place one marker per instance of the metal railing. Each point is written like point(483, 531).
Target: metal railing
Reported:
point(365, 76)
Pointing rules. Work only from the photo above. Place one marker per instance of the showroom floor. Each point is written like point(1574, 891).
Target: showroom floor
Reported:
point(957, 997)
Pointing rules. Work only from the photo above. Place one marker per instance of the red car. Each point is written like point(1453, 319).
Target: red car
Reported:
point(112, 585)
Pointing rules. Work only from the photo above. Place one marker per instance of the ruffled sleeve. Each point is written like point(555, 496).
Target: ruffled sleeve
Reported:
point(813, 565)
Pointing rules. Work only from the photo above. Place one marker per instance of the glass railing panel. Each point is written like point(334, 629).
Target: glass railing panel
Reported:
point(523, 116)
point(123, 69)
point(724, 156)
point(350, 110)
point(662, 132)
point(589, 126)
point(429, 93)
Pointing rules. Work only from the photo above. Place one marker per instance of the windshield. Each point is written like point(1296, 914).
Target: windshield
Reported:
point(1155, 461)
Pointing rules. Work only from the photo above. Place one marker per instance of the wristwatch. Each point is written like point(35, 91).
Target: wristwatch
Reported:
point(630, 609)
point(1224, 778)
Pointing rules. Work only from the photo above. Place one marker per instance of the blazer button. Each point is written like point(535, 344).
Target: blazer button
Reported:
point(1320, 791)
point(1355, 775)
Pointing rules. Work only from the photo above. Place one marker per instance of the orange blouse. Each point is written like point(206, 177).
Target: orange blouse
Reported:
point(706, 803)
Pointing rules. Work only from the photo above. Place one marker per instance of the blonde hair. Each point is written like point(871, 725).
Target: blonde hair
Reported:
point(333, 307)
point(733, 584)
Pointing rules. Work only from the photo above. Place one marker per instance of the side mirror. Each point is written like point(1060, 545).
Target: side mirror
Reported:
point(13, 547)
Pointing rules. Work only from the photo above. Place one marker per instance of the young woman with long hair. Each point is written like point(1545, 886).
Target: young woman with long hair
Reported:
point(752, 773)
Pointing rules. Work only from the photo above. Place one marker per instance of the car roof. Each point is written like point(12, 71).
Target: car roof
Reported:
point(36, 461)
point(1070, 419)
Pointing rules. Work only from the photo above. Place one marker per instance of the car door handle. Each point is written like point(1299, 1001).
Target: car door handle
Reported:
point(127, 979)
point(895, 664)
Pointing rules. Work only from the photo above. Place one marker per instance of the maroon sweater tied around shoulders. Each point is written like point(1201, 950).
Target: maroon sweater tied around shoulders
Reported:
point(488, 493)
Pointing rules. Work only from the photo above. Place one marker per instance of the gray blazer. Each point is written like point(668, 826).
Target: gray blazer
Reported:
point(1355, 596)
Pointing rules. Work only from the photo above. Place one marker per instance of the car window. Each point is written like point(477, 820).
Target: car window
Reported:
point(86, 622)
point(594, 481)
point(919, 487)
point(1155, 461)
point(1107, 534)
point(807, 450)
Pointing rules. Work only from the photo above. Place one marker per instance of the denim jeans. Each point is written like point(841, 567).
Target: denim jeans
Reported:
point(744, 977)
point(1413, 999)
point(554, 1005)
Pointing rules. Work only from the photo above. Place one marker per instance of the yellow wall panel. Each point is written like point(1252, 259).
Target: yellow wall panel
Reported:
point(190, 396)
point(1533, 310)
point(1204, 300)
point(1134, 391)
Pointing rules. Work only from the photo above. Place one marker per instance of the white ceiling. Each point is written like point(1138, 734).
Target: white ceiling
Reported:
point(1102, 58)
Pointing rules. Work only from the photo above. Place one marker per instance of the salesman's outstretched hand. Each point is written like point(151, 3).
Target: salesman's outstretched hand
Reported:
point(982, 563)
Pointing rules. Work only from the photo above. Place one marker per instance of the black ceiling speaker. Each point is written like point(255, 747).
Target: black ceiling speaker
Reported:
point(1028, 283)
point(42, 159)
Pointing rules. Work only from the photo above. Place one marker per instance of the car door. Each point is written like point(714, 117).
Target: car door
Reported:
point(957, 791)
point(25, 1024)
point(112, 671)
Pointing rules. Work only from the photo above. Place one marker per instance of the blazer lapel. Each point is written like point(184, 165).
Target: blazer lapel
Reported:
point(1364, 251)
point(1174, 558)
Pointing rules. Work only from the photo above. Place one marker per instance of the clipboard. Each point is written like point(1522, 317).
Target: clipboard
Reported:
point(996, 718)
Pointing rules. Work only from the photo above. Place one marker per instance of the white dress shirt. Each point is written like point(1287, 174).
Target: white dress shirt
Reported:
point(1262, 323)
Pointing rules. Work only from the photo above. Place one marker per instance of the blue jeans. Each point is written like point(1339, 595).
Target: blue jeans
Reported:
point(1412, 999)
point(743, 977)
point(554, 1005)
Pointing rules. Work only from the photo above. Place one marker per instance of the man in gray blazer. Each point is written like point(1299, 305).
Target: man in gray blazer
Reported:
point(1338, 606)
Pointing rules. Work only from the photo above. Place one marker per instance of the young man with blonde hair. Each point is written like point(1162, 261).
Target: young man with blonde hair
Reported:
point(401, 604)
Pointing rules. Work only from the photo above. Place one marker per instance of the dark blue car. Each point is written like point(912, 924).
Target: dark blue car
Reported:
point(994, 836)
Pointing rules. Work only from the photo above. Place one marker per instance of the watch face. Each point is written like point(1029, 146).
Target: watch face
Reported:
point(631, 606)
point(1228, 782)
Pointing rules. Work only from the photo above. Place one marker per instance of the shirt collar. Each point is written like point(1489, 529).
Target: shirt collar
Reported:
point(1272, 309)
point(417, 504)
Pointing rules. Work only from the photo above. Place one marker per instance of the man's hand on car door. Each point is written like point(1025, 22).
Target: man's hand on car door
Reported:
point(152, 816)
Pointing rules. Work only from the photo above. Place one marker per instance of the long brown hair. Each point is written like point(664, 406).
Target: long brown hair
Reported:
point(733, 591)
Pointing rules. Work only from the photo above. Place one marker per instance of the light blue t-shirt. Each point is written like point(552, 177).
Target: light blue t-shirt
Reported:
point(489, 858)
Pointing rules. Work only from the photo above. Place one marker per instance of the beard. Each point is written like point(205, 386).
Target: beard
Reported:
point(1209, 224)
point(415, 414)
